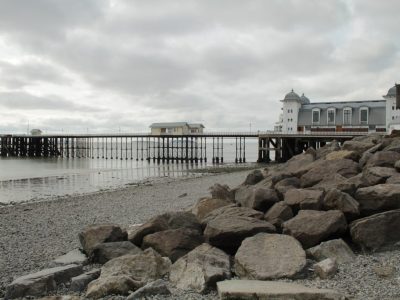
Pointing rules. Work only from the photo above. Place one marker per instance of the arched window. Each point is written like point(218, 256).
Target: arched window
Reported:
point(316, 114)
point(364, 115)
point(347, 115)
point(331, 115)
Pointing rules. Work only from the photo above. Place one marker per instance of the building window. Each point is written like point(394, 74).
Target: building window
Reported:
point(331, 116)
point(347, 116)
point(315, 115)
point(364, 115)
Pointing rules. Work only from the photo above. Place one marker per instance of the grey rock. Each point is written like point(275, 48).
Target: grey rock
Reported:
point(103, 233)
point(335, 249)
point(335, 199)
point(376, 175)
point(256, 198)
point(158, 287)
point(394, 179)
point(285, 185)
point(269, 256)
point(394, 145)
point(397, 165)
point(112, 285)
point(73, 257)
point(79, 283)
point(219, 191)
point(327, 149)
point(254, 177)
point(228, 233)
point(326, 268)
point(232, 211)
point(299, 164)
point(278, 213)
point(104, 252)
point(383, 159)
point(378, 198)
point(304, 199)
point(376, 231)
point(201, 269)
point(173, 243)
point(206, 205)
point(311, 227)
point(40, 283)
point(339, 182)
point(343, 154)
point(257, 289)
point(357, 146)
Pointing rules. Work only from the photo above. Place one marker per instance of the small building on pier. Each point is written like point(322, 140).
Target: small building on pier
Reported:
point(176, 128)
point(299, 114)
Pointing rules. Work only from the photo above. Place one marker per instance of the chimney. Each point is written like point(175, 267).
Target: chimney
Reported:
point(397, 96)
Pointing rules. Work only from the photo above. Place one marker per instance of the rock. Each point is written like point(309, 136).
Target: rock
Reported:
point(326, 268)
point(73, 257)
point(364, 158)
point(285, 185)
point(269, 256)
point(200, 269)
point(158, 287)
point(278, 213)
point(206, 205)
point(337, 250)
point(171, 220)
point(104, 252)
point(144, 267)
point(338, 182)
point(376, 231)
point(97, 234)
point(394, 145)
point(383, 159)
point(357, 146)
point(311, 227)
point(357, 182)
point(256, 198)
point(394, 179)
point(327, 149)
point(112, 285)
point(232, 211)
point(64, 297)
point(343, 154)
point(40, 283)
point(254, 177)
point(372, 138)
point(299, 164)
point(397, 165)
point(335, 199)
point(326, 169)
point(173, 243)
point(227, 233)
point(79, 283)
point(219, 191)
point(304, 199)
point(376, 175)
point(384, 271)
point(257, 289)
point(378, 198)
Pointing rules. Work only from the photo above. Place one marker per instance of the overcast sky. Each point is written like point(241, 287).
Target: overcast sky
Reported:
point(109, 65)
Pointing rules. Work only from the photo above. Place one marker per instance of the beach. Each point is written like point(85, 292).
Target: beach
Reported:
point(32, 234)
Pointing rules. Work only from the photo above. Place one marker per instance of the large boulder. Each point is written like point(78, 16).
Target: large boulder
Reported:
point(327, 149)
point(326, 169)
point(154, 288)
point(232, 211)
point(285, 185)
point(103, 233)
point(378, 198)
point(219, 191)
point(337, 181)
point(335, 249)
point(269, 256)
point(173, 243)
point(376, 175)
point(41, 282)
point(343, 154)
point(357, 146)
point(104, 252)
point(304, 199)
point(278, 213)
point(394, 145)
point(143, 267)
point(335, 199)
point(206, 205)
point(311, 227)
point(376, 231)
point(201, 269)
point(72, 257)
point(254, 177)
point(257, 198)
point(112, 285)
point(228, 233)
point(79, 283)
point(397, 165)
point(383, 159)
point(276, 290)
point(171, 220)
point(394, 179)
point(326, 268)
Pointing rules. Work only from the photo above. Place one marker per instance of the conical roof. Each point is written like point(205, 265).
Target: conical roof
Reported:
point(391, 92)
point(304, 99)
point(292, 96)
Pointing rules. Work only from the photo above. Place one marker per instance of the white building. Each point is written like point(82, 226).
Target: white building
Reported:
point(301, 115)
point(176, 128)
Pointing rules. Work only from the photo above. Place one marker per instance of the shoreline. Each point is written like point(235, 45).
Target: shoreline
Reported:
point(34, 233)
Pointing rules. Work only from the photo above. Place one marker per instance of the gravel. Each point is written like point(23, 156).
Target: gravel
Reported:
point(32, 234)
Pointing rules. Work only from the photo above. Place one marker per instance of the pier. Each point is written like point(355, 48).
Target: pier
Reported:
point(199, 147)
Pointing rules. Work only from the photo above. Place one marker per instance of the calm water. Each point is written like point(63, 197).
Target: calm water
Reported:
point(23, 179)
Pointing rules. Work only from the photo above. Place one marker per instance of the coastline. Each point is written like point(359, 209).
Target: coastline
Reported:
point(34, 233)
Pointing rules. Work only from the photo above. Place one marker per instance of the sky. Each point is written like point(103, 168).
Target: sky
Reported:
point(119, 65)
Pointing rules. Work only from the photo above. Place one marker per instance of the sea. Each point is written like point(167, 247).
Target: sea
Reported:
point(31, 179)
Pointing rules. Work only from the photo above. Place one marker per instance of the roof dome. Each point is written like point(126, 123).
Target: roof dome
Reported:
point(391, 92)
point(304, 99)
point(292, 96)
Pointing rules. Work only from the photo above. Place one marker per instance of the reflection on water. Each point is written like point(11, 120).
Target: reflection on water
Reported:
point(23, 179)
